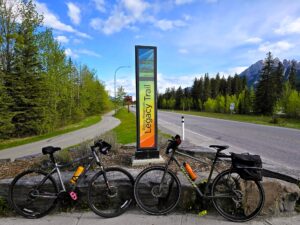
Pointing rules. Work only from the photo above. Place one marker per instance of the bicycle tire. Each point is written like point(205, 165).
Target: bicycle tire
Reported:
point(121, 183)
point(245, 198)
point(21, 194)
point(148, 196)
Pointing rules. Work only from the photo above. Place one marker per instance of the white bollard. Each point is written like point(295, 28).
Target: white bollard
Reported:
point(182, 121)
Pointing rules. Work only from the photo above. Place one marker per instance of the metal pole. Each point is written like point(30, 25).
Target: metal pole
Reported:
point(115, 84)
point(182, 121)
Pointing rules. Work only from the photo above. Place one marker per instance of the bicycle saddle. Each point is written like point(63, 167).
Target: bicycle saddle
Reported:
point(50, 150)
point(219, 147)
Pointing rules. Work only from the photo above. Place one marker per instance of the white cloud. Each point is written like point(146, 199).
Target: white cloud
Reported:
point(289, 26)
point(127, 13)
point(128, 83)
point(62, 39)
point(75, 53)
point(70, 53)
point(136, 7)
point(124, 15)
point(100, 5)
point(77, 41)
point(169, 24)
point(88, 52)
point(211, 1)
point(236, 70)
point(253, 40)
point(276, 47)
point(74, 13)
point(183, 51)
point(52, 21)
point(164, 82)
point(113, 24)
point(182, 2)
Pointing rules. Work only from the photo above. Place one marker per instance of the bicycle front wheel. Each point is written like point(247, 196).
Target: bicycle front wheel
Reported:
point(156, 190)
point(237, 199)
point(33, 193)
point(110, 192)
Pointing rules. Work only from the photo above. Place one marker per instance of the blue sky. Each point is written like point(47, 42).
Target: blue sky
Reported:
point(192, 36)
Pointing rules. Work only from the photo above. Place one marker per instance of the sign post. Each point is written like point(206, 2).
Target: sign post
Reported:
point(146, 111)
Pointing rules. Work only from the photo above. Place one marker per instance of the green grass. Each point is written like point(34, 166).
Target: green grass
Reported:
point(21, 141)
point(126, 131)
point(264, 120)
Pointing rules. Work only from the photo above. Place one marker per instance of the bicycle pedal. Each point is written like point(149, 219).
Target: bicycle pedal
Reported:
point(202, 213)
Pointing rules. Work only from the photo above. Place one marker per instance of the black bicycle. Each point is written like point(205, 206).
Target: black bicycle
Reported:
point(34, 193)
point(236, 193)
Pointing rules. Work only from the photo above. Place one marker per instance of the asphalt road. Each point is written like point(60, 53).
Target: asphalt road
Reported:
point(278, 146)
point(65, 140)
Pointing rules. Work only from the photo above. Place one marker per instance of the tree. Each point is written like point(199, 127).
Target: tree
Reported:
point(27, 90)
point(293, 104)
point(9, 11)
point(120, 96)
point(278, 80)
point(210, 105)
point(178, 98)
point(265, 98)
point(6, 126)
point(197, 93)
point(207, 88)
point(293, 74)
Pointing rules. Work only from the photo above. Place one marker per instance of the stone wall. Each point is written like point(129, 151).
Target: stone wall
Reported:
point(280, 195)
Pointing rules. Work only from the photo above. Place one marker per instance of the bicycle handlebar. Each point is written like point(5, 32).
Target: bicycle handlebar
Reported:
point(174, 143)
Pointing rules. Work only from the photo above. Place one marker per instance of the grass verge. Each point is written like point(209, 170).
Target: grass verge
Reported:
point(72, 127)
point(264, 120)
point(126, 131)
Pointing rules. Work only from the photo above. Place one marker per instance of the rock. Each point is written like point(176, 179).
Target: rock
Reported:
point(4, 161)
point(281, 196)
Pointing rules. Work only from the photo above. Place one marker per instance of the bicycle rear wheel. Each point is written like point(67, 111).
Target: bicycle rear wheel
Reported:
point(33, 194)
point(112, 201)
point(154, 196)
point(236, 199)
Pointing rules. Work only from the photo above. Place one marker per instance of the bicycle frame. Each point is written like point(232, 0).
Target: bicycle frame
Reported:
point(57, 167)
point(183, 170)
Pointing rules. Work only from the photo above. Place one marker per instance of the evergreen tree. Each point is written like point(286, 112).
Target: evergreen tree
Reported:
point(214, 88)
point(278, 80)
point(223, 86)
point(293, 74)
point(229, 86)
point(27, 89)
point(265, 98)
point(178, 98)
point(207, 88)
point(6, 126)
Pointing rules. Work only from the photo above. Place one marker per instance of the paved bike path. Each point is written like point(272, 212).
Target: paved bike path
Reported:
point(107, 123)
point(137, 217)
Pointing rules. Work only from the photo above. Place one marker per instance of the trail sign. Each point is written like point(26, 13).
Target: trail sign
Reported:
point(146, 111)
point(231, 107)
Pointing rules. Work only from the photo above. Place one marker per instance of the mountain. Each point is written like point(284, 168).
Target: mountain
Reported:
point(252, 72)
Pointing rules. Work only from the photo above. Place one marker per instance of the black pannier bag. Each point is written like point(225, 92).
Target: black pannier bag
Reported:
point(247, 166)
